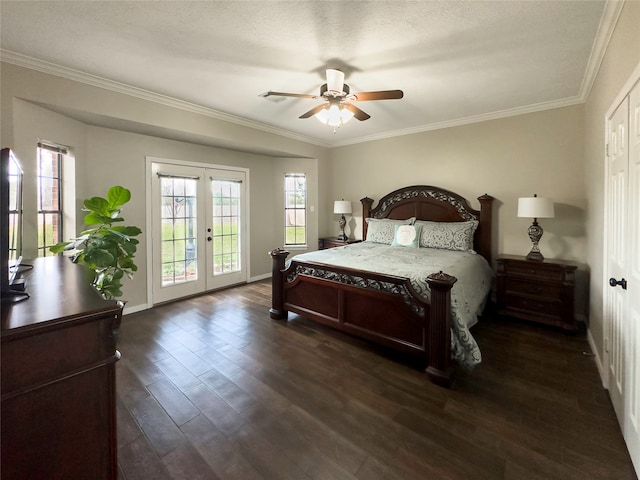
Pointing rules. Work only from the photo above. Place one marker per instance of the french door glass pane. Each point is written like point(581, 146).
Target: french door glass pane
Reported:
point(179, 229)
point(226, 219)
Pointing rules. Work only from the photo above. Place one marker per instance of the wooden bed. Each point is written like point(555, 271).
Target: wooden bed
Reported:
point(382, 308)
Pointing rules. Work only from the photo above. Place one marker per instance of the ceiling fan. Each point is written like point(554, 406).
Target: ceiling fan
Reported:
point(338, 107)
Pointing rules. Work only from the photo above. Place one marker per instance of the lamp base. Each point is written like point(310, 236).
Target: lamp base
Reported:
point(343, 223)
point(535, 256)
point(535, 234)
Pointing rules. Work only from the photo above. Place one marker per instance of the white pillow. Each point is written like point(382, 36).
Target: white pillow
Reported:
point(382, 230)
point(407, 236)
point(448, 235)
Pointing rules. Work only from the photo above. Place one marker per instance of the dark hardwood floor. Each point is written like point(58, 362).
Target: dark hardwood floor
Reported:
point(211, 387)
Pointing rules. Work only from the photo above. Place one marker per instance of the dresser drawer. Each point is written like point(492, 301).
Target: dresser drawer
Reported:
point(545, 291)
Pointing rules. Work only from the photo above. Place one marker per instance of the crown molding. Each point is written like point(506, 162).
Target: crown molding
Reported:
point(512, 112)
point(118, 87)
point(606, 27)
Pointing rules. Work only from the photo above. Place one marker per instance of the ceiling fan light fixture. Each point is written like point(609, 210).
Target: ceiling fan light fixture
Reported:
point(346, 115)
point(334, 115)
point(323, 115)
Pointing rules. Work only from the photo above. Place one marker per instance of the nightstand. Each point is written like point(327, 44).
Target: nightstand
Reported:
point(331, 242)
point(539, 291)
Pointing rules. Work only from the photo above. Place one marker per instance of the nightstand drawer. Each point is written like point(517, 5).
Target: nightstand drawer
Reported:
point(534, 271)
point(534, 305)
point(542, 290)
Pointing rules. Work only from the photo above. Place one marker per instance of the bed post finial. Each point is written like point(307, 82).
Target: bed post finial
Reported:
point(367, 203)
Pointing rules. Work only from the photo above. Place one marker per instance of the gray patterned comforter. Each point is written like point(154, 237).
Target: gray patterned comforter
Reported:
point(468, 295)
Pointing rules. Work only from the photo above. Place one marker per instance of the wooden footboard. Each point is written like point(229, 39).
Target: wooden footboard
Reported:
point(381, 308)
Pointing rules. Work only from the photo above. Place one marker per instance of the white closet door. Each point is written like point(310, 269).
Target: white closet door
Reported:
point(616, 228)
point(622, 296)
point(632, 379)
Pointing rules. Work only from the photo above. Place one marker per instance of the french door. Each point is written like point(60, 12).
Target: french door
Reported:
point(622, 296)
point(199, 229)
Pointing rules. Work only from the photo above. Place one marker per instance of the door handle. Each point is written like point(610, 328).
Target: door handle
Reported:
point(209, 239)
point(614, 283)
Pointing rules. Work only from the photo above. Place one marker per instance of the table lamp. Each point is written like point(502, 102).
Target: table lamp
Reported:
point(535, 207)
point(340, 207)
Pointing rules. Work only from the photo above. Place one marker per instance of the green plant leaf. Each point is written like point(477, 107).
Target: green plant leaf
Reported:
point(59, 247)
point(118, 196)
point(111, 291)
point(99, 257)
point(128, 231)
point(129, 248)
point(94, 218)
point(127, 262)
point(98, 205)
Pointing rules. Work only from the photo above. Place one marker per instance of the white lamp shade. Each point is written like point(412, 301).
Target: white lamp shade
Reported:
point(342, 206)
point(535, 207)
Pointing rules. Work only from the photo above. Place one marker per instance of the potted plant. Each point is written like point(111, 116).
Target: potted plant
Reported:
point(105, 248)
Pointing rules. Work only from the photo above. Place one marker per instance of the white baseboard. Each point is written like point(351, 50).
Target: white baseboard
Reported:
point(259, 277)
point(135, 308)
point(596, 356)
point(144, 306)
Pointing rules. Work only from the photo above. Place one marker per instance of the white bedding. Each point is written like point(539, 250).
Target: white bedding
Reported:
point(468, 295)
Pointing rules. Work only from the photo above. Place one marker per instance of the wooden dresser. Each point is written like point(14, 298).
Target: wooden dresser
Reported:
point(539, 291)
point(58, 378)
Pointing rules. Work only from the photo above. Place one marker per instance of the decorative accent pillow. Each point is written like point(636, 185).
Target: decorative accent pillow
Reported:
point(407, 236)
point(382, 230)
point(448, 235)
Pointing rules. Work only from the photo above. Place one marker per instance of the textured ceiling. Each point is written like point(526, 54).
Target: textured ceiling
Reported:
point(456, 61)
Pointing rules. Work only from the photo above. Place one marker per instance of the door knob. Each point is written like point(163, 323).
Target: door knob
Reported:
point(209, 239)
point(614, 283)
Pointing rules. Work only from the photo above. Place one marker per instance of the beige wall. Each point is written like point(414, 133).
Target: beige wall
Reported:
point(508, 158)
point(621, 58)
point(40, 106)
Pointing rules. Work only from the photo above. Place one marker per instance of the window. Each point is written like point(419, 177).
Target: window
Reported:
point(50, 160)
point(295, 209)
point(226, 222)
point(179, 226)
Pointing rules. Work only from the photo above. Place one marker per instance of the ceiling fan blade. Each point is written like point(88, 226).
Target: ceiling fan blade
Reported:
point(357, 113)
point(283, 94)
point(381, 95)
point(313, 111)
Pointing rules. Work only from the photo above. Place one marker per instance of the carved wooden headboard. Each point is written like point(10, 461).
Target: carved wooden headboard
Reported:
point(436, 204)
